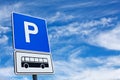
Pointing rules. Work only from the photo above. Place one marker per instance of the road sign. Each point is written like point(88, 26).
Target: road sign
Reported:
point(29, 33)
point(32, 63)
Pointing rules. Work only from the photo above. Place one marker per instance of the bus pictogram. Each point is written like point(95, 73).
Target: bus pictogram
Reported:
point(34, 62)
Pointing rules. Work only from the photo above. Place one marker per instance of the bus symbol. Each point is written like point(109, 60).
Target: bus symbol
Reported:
point(34, 62)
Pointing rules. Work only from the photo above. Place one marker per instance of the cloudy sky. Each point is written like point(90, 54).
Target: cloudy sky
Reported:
point(84, 38)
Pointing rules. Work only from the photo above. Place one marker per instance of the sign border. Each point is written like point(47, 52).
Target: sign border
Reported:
point(13, 37)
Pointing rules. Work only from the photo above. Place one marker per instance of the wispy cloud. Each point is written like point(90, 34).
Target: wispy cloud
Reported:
point(6, 10)
point(78, 5)
point(108, 39)
point(3, 39)
point(91, 74)
point(90, 68)
point(61, 17)
point(82, 30)
point(109, 12)
point(102, 22)
point(8, 50)
point(7, 73)
point(4, 30)
point(93, 3)
point(66, 30)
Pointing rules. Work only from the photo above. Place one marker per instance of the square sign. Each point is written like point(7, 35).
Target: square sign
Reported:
point(29, 33)
point(32, 63)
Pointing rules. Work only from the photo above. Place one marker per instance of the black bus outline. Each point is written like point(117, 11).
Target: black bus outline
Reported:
point(34, 62)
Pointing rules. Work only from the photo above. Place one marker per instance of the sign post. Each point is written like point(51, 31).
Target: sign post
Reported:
point(34, 77)
point(31, 46)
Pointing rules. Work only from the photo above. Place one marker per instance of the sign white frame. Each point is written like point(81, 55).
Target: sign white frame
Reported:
point(31, 70)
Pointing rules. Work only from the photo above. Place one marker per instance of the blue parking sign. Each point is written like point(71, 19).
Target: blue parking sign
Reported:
point(29, 33)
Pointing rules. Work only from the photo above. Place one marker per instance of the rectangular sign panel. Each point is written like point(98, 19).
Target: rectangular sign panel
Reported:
point(29, 33)
point(32, 63)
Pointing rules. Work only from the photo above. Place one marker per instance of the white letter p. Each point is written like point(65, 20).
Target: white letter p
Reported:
point(28, 32)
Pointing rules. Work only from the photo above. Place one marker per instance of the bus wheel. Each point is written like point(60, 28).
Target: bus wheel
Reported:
point(43, 66)
point(26, 65)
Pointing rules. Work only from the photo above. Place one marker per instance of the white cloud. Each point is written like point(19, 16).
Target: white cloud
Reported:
point(98, 74)
point(112, 61)
point(5, 15)
point(3, 36)
point(80, 30)
point(91, 74)
point(7, 73)
point(6, 11)
point(103, 22)
point(3, 39)
point(65, 30)
point(109, 39)
point(24, 78)
point(60, 17)
point(79, 4)
point(90, 32)
point(103, 68)
point(4, 29)
point(83, 4)
point(8, 50)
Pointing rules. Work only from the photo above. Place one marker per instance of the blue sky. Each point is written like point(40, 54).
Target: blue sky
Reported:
point(84, 38)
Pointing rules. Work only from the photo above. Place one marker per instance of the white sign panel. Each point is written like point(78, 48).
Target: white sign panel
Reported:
point(32, 63)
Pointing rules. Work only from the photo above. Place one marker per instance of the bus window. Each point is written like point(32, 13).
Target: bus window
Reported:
point(36, 59)
point(40, 60)
point(26, 58)
point(31, 59)
point(23, 59)
point(45, 60)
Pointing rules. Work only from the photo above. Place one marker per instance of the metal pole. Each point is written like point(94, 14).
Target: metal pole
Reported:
point(34, 77)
